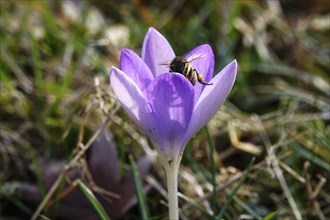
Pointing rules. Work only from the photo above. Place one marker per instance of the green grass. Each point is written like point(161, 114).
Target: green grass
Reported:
point(49, 103)
point(93, 200)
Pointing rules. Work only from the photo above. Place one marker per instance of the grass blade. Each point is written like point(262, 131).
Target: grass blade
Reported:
point(93, 200)
point(224, 208)
point(270, 216)
point(36, 169)
point(213, 171)
point(139, 189)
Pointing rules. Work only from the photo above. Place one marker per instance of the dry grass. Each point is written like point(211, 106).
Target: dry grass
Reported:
point(55, 58)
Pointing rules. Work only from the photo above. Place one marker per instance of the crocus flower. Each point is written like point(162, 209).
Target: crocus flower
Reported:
point(165, 105)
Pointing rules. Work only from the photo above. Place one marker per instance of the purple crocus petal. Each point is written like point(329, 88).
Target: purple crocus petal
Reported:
point(135, 68)
point(171, 97)
point(156, 51)
point(211, 98)
point(131, 98)
point(204, 63)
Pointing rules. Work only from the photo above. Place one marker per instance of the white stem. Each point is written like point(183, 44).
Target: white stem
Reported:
point(171, 171)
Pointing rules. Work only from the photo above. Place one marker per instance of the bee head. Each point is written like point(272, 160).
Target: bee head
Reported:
point(177, 64)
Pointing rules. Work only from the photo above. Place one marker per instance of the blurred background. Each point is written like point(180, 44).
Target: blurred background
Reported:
point(55, 100)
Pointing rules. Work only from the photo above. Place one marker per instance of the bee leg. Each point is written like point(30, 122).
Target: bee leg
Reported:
point(200, 80)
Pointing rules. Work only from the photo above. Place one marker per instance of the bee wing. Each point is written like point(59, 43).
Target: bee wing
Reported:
point(167, 63)
point(195, 56)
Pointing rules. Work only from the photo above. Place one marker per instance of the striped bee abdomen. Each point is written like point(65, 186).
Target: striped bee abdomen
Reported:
point(181, 65)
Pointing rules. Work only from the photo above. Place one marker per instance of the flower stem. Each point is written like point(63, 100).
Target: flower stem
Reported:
point(171, 171)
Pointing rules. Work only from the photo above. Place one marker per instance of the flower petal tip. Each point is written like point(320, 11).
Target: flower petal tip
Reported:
point(112, 69)
point(152, 32)
point(156, 50)
point(230, 69)
point(234, 62)
point(152, 29)
point(125, 53)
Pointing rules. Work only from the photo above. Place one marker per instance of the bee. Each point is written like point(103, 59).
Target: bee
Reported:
point(183, 66)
